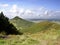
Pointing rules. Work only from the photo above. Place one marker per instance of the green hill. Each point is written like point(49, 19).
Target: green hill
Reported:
point(20, 23)
point(42, 26)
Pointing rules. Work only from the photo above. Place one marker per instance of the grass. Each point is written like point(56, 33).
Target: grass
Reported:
point(18, 40)
point(44, 33)
point(42, 26)
point(50, 37)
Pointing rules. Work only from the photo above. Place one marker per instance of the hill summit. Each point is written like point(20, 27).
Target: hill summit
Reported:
point(20, 23)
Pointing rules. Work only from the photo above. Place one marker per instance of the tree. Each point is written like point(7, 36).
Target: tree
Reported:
point(6, 26)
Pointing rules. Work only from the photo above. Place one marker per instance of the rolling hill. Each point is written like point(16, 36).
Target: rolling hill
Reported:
point(30, 27)
point(20, 23)
point(42, 26)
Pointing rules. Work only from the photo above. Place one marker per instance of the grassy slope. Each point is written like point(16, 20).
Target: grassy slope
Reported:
point(42, 26)
point(20, 23)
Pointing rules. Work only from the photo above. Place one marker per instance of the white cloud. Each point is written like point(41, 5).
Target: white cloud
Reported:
point(42, 12)
point(21, 10)
point(28, 11)
point(14, 8)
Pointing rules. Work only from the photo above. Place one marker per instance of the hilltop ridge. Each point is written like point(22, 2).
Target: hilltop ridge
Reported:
point(20, 23)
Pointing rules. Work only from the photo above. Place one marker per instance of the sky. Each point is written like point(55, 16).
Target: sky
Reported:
point(31, 9)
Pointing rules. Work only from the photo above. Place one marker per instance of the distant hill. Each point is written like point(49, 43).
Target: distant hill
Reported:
point(20, 23)
point(42, 26)
point(40, 20)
